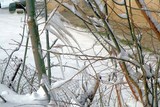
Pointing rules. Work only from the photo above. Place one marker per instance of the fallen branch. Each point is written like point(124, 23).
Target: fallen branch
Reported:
point(3, 99)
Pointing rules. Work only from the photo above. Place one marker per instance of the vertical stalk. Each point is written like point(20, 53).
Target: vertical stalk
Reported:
point(47, 45)
point(24, 57)
point(130, 21)
point(23, 65)
point(118, 95)
point(155, 103)
point(35, 40)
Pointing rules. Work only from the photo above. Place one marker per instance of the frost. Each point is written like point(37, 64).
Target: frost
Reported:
point(59, 83)
point(158, 27)
point(148, 71)
point(72, 95)
point(56, 26)
point(153, 20)
point(133, 103)
point(73, 9)
point(109, 26)
point(39, 96)
point(75, 2)
point(135, 75)
point(110, 42)
point(123, 55)
point(44, 81)
point(123, 15)
point(101, 5)
point(56, 53)
point(89, 92)
point(139, 37)
point(96, 21)
point(120, 2)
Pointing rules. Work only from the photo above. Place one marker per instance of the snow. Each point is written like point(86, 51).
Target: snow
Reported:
point(134, 103)
point(119, 2)
point(148, 71)
point(13, 23)
point(123, 15)
point(73, 9)
point(85, 40)
point(59, 83)
point(101, 5)
point(5, 3)
point(123, 55)
point(153, 20)
point(57, 27)
point(96, 21)
point(36, 99)
point(75, 2)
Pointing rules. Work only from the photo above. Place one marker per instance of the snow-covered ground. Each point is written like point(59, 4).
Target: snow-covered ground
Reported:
point(11, 28)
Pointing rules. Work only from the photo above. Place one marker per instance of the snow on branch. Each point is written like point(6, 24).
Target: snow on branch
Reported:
point(133, 74)
point(96, 21)
point(101, 5)
point(149, 71)
point(119, 2)
point(148, 16)
point(123, 55)
point(155, 22)
point(123, 16)
point(56, 26)
point(76, 2)
point(73, 9)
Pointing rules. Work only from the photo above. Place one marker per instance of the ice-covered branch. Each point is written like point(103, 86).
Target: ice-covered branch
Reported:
point(150, 19)
point(119, 2)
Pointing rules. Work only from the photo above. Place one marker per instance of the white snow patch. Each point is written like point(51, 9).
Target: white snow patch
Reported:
point(123, 15)
point(58, 84)
point(119, 2)
point(36, 98)
point(133, 103)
